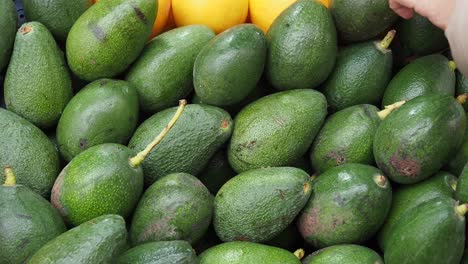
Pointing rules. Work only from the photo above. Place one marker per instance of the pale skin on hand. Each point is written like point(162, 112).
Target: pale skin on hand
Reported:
point(437, 11)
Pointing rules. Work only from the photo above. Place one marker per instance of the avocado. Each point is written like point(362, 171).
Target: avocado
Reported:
point(27, 221)
point(425, 75)
point(8, 23)
point(27, 149)
point(289, 239)
point(217, 172)
point(37, 82)
point(247, 252)
point(58, 16)
point(283, 123)
point(108, 37)
point(229, 67)
point(188, 147)
point(433, 232)
point(163, 73)
point(176, 207)
point(302, 46)
point(461, 193)
point(349, 254)
point(458, 161)
point(347, 136)
point(462, 89)
point(162, 252)
point(408, 197)
point(420, 37)
point(359, 20)
point(349, 204)
point(361, 74)
point(99, 240)
point(105, 111)
point(415, 141)
point(258, 204)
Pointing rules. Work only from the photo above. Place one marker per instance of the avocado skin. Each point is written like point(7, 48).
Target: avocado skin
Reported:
point(283, 123)
point(358, 20)
point(200, 131)
point(108, 37)
point(347, 136)
point(8, 23)
point(347, 205)
point(37, 83)
point(228, 253)
point(431, 233)
point(29, 151)
point(416, 140)
point(162, 252)
point(425, 75)
point(58, 15)
point(302, 46)
point(229, 67)
point(105, 111)
point(98, 181)
point(361, 75)
point(99, 240)
point(259, 204)
point(349, 254)
point(27, 222)
point(408, 197)
point(163, 73)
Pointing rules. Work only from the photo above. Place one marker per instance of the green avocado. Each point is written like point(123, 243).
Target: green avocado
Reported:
point(408, 197)
point(425, 75)
point(37, 83)
point(8, 23)
point(258, 204)
point(346, 137)
point(461, 193)
point(283, 123)
point(176, 207)
point(420, 37)
point(162, 252)
point(349, 204)
point(188, 147)
point(433, 232)
point(361, 74)
point(108, 37)
point(339, 254)
point(230, 66)
point(247, 253)
point(458, 161)
point(217, 172)
point(105, 111)
point(58, 15)
point(99, 181)
point(27, 221)
point(359, 20)
point(462, 88)
point(99, 240)
point(163, 73)
point(302, 46)
point(415, 141)
point(27, 149)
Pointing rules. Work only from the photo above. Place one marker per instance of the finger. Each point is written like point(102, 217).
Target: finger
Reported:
point(404, 12)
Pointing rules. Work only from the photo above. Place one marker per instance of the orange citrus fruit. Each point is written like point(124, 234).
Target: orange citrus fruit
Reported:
point(219, 15)
point(264, 12)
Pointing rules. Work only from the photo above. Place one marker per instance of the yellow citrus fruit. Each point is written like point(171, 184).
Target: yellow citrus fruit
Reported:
point(219, 15)
point(162, 16)
point(264, 12)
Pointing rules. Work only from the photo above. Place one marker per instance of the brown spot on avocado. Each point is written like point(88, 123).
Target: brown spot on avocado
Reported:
point(83, 143)
point(160, 228)
point(405, 166)
point(241, 238)
point(103, 82)
point(340, 201)
point(25, 29)
point(139, 13)
point(24, 216)
point(338, 157)
point(224, 124)
point(282, 194)
point(309, 223)
point(56, 190)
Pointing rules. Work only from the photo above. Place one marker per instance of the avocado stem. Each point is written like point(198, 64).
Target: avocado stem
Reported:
point(385, 43)
point(10, 179)
point(462, 98)
point(299, 253)
point(380, 180)
point(141, 156)
point(390, 108)
point(454, 186)
point(452, 65)
point(461, 209)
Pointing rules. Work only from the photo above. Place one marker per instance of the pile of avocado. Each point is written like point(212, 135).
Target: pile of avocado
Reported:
point(314, 143)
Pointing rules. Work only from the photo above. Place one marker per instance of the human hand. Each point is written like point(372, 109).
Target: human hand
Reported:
point(437, 11)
